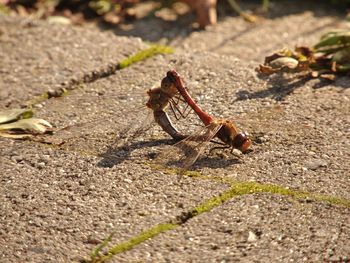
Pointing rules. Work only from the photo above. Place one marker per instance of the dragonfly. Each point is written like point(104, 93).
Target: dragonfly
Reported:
point(192, 146)
point(162, 97)
point(159, 100)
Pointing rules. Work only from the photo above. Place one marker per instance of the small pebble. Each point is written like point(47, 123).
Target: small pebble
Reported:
point(251, 237)
point(40, 165)
point(17, 158)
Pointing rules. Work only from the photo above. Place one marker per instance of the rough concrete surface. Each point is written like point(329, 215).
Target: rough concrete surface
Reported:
point(36, 56)
point(58, 202)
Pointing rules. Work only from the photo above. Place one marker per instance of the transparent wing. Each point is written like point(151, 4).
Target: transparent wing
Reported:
point(108, 112)
point(136, 129)
point(92, 123)
point(124, 144)
point(184, 153)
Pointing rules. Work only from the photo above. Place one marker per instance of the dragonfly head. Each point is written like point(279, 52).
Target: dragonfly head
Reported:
point(168, 86)
point(242, 141)
point(174, 77)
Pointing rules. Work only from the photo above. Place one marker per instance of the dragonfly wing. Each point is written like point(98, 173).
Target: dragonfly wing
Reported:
point(137, 128)
point(186, 152)
point(101, 122)
point(124, 143)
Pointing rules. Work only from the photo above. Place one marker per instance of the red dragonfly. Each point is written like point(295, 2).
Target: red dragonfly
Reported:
point(225, 130)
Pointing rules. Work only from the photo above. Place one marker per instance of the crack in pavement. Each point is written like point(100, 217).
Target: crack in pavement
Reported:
point(236, 189)
point(95, 75)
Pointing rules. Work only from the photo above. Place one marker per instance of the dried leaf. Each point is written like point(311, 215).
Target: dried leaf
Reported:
point(32, 125)
point(15, 114)
point(59, 20)
point(304, 53)
point(328, 76)
point(284, 62)
point(265, 70)
point(314, 74)
point(15, 136)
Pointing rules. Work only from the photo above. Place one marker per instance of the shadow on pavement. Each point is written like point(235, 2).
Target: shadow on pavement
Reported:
point(154, 29)
point(116, 155)
point(281, 87)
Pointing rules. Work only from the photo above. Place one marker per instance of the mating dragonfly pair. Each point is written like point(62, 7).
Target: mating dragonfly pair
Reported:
point(172, 94)
point(192, 146)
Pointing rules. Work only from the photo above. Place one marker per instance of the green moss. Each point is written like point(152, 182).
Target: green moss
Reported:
point(144, 54)
point(253, 187)
point(139, 56)
point(332, 200)
point(244, 188)
point(192, 174)
point(96, 253)
point(236, 189)
point(38, 99)
point(129, 244)
point(213, 202)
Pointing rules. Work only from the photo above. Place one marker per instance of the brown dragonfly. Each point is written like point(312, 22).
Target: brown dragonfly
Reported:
point(160, 101)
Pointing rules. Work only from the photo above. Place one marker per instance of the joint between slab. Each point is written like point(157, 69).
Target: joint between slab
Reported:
point(95, 75)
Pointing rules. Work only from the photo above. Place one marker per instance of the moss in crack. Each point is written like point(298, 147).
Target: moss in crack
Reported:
point(38, 99)
point(332, 200)
point(213, 202)
point(144, 54)
point(241, 188)
point(129, 244)
point(236, 189)
point(103, 73)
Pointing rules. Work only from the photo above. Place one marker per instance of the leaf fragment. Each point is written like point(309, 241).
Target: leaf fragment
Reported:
point(284, 62)
point(15, 114)
point(32, 126)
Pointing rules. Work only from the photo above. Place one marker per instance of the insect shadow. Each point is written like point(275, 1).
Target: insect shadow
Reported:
point(116, 155)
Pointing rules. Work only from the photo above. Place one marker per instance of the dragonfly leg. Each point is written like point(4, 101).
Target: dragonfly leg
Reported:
point(174, 105)
point(174, 109)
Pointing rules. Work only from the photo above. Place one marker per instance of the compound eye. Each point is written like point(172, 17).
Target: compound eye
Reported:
point(171, 74)
point(166, 82)
point(242, 141)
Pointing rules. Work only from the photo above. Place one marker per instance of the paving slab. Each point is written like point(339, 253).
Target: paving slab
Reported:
point(54, 54)
point(253, 42)
point(58, 205)
point(254, 228)
point(299, 143)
